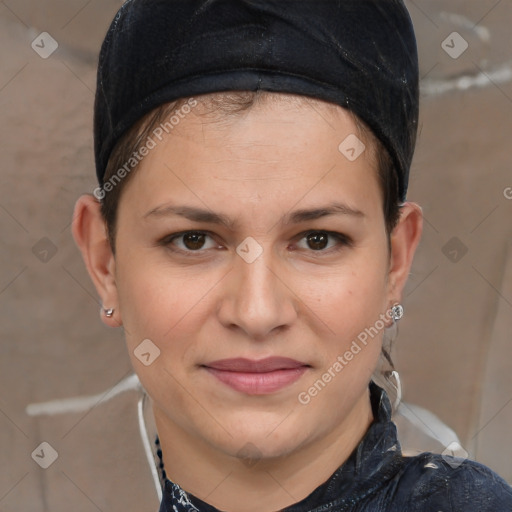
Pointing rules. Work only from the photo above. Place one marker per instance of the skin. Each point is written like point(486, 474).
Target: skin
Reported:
point(292, 301)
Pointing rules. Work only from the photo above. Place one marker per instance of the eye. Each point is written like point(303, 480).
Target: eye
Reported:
point(190, 241)
point(318, 241)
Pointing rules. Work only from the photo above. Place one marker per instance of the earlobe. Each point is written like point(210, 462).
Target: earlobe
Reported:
point(404, 241)
point(90, 235)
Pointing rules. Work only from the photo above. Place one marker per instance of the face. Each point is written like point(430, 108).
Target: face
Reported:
point(297, 269)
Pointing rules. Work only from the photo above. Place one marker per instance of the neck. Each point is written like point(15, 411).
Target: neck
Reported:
point(267, 485)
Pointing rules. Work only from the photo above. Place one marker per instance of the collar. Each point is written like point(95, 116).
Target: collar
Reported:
point(374, 462)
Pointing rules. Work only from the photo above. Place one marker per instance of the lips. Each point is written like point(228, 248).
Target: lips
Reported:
point(257, 377)
point(250, 366)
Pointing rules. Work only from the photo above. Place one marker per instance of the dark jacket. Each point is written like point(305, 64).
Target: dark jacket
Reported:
point(378, 478)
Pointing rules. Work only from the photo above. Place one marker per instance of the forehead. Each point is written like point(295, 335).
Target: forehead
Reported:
point(283, 148)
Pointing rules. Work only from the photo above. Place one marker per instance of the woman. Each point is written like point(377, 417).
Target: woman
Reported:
point(252, 236)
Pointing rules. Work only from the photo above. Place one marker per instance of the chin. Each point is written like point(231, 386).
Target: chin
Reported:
point(258, 440)
point(251, 450)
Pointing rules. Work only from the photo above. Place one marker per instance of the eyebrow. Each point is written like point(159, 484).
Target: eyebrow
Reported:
point(209, 217)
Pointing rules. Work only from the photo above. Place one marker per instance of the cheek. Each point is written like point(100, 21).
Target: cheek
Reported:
point(350, 297)
point(154, 307)
point(351, 307)
point(165, 304)
point(149, 301)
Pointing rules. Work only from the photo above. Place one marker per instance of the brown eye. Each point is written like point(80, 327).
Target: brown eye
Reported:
point(317, 240)
point(189, 242)
point(324, 241)
point(193, 241)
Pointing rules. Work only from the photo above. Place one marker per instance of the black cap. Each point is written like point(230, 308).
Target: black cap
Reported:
point(360, 54)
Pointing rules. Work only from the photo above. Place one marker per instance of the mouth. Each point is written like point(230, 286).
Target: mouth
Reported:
point(257, 377)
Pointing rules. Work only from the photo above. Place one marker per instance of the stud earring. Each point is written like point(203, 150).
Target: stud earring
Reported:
point(397, 312)
point(109, 313)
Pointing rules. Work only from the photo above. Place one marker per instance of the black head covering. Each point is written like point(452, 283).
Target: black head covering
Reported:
point(360, 54)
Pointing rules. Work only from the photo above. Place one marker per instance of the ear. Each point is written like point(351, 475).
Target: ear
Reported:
point(90, 234)
point(404, 241)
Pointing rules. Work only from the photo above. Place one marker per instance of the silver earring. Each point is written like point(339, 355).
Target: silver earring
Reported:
point(397, 312)
point(109, 313)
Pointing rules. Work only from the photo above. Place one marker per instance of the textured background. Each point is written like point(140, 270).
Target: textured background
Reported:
point(453, 350)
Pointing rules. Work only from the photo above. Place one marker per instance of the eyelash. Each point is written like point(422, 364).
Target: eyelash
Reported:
point(343, 241)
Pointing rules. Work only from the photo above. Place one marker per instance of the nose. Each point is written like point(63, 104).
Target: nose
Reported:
point(258, 300)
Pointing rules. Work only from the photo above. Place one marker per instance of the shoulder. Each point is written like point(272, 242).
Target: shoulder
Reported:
point(432, 482)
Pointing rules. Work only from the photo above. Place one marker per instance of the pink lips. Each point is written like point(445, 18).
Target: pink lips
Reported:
point(257, 377)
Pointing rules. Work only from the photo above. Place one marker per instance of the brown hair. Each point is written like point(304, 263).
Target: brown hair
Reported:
point(232, 103)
